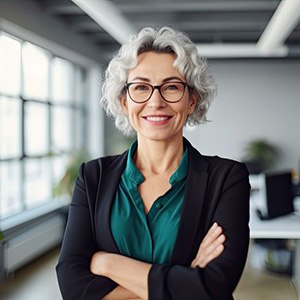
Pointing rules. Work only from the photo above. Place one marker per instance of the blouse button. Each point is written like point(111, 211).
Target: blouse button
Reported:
point(158, 205)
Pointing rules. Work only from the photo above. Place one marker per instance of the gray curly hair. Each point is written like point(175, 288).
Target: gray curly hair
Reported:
point(165, 40)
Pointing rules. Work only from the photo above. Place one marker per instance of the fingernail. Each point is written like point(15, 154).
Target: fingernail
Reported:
point(220, 238)
point(215, 225)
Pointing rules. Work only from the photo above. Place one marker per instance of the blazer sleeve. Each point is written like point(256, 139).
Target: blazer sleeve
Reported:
point(73, 269)
point(219, 278)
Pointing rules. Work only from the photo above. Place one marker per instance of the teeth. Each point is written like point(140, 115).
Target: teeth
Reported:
point(157, 119)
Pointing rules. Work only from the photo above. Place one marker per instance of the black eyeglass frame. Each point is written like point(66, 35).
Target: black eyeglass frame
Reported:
point(158, 87)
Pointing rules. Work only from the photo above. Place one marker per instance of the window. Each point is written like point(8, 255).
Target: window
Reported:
point(42, 121)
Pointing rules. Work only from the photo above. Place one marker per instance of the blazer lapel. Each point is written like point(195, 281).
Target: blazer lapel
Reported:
point(189, 232)
point(108, 184)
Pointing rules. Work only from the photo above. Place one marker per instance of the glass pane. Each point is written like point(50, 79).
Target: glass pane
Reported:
point(59, 166)
point(80, 87)
point(37, 181)
point(62, 78)
point(79, 129)
point(10, 188)
point(36, 129)
point(10, 128)
point(10, 65)
point(62, 129)
point(35, 71)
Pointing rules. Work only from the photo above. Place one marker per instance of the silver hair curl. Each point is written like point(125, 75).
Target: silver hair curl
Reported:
point(165, 40)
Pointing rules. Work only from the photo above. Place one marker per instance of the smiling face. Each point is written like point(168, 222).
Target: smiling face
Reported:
point(157, 119)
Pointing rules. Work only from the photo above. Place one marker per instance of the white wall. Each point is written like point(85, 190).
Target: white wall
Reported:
point(256, 99)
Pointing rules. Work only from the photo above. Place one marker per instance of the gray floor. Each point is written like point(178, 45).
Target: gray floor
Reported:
point(38, 281)
point(258, 284)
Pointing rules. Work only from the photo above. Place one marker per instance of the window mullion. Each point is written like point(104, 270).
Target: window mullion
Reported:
point(23, 155)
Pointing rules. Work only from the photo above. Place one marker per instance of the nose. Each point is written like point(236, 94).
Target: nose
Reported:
point(156, 99)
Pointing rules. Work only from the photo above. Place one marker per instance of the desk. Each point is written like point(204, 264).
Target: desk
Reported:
point(286, 227)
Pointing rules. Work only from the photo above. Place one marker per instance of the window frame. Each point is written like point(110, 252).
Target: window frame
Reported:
point(82, 63)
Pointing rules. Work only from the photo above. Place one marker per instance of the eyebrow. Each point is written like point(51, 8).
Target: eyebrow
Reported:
point(172, 78)
point(141, 79)
point(164, 80)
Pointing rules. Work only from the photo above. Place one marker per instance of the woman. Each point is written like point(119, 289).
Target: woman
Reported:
point(161, 221)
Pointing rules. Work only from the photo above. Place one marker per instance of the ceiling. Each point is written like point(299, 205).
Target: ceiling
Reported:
point(221, 29)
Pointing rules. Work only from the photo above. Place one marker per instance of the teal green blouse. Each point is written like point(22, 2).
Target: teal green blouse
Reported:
point(150, 237)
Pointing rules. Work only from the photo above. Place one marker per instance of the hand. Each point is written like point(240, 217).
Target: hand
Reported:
point(210, 248)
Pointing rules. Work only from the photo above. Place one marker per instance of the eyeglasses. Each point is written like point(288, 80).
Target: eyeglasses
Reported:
point(141, 92)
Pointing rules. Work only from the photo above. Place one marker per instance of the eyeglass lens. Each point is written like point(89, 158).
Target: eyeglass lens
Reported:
point(170, 91)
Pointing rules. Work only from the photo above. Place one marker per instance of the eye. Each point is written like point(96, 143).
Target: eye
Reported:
point(140, 87)
point(172, 87)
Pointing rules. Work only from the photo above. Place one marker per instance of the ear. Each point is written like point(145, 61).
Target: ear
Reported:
point(124, 104)
point(192, 103)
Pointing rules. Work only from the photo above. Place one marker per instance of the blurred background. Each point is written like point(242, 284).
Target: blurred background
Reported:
point(52, 57)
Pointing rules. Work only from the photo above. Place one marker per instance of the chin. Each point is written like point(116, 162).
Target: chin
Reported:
point(160, 136)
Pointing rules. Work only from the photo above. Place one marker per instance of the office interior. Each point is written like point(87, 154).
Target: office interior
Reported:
point(52, 58)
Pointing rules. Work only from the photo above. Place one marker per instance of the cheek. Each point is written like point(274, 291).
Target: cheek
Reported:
point(132, 111)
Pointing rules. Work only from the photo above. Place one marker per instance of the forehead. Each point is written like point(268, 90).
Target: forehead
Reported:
point(155, 66)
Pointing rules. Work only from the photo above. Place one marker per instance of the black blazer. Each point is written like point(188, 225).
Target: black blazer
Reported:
point(216, 190)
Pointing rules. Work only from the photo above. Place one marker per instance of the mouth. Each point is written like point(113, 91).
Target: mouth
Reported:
point(159, 120)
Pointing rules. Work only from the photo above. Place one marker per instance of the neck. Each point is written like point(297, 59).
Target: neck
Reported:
point(159, 157)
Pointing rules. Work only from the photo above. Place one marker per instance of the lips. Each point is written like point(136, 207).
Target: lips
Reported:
point(161, 119)
point(156, 119)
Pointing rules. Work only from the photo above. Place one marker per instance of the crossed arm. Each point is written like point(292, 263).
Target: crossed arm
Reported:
point(132, 275)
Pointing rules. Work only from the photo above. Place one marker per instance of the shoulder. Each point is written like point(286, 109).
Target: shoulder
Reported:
point(215, 165)
point(227, 172)
point(222, 174)
point(104, 162)
point(226, 164)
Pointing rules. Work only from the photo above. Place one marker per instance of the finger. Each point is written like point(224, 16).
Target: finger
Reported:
point(209, 239)
point(194, 264)
point(207, 254)
point(211, 248)
point(211, 231)
point(212, 235)
point(204, 260)
point(216, 253)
